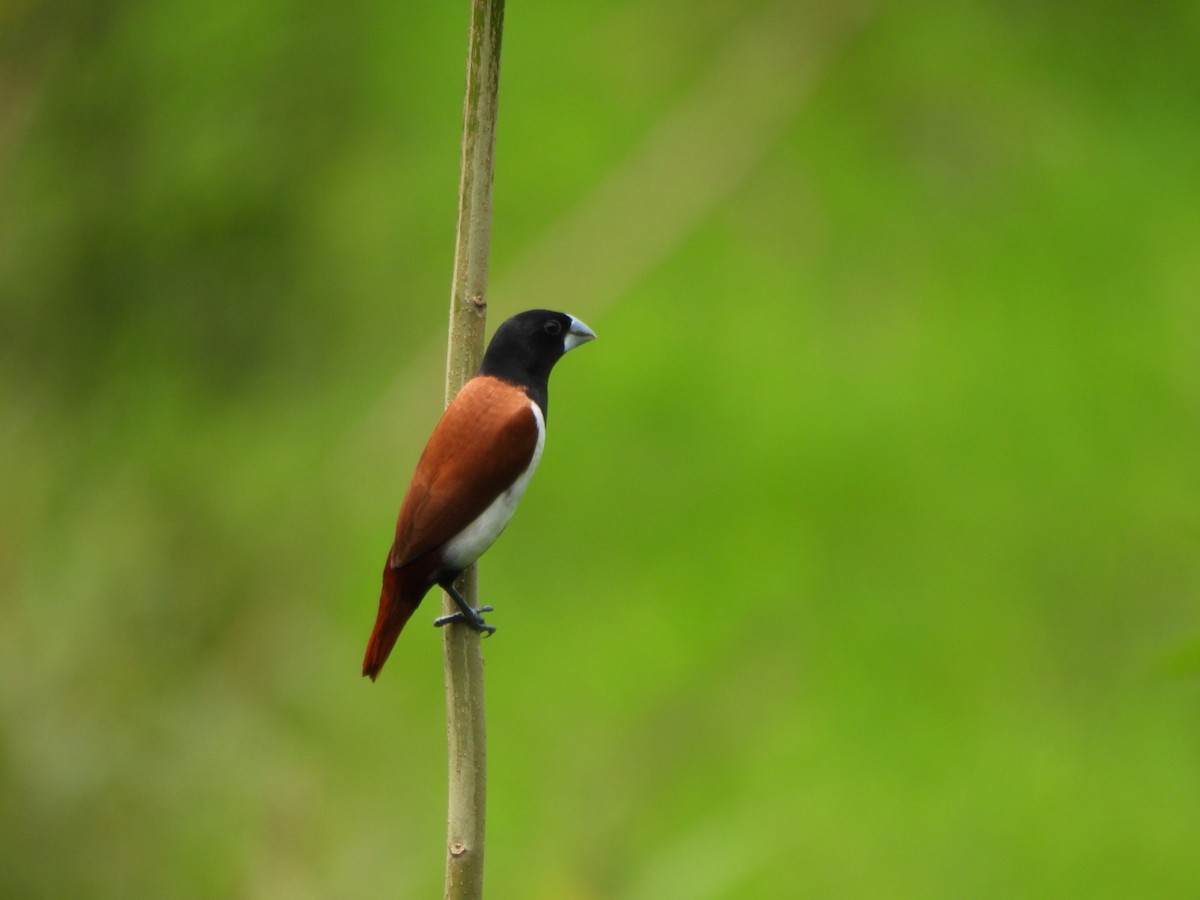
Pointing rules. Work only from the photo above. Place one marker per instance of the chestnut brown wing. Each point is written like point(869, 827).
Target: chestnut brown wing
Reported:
point(483, 442)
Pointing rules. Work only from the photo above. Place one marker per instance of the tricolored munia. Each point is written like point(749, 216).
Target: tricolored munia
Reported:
point(471, 474)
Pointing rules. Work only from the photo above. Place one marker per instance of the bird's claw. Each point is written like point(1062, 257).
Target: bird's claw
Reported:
point(475, 620)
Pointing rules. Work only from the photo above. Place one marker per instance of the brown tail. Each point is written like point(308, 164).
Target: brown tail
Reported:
point(394, 610)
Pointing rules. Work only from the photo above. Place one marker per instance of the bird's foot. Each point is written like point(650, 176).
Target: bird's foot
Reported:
point(474, 619)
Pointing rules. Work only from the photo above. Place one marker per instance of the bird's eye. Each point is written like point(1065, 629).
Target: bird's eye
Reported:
point(553, 327)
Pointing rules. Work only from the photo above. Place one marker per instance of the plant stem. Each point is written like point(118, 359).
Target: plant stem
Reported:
point(466, 725)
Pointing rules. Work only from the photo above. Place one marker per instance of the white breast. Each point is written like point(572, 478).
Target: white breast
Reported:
point(470, 543)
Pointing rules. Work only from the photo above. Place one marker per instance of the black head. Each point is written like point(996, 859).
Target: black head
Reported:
point(525, 348)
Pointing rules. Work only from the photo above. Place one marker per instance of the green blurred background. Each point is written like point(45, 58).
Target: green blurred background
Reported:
point(864, 558)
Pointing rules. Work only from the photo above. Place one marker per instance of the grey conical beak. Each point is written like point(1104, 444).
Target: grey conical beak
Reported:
point(577, 334)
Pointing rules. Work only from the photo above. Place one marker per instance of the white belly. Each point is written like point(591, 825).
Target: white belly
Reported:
point(470, 543)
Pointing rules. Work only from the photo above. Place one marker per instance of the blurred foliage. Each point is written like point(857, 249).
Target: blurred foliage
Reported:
point(865, 557)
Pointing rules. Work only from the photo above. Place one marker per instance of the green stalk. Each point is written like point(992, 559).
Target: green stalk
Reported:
point(466, 723)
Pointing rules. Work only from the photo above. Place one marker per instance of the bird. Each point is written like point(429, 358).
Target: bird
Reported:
point(472, 473)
